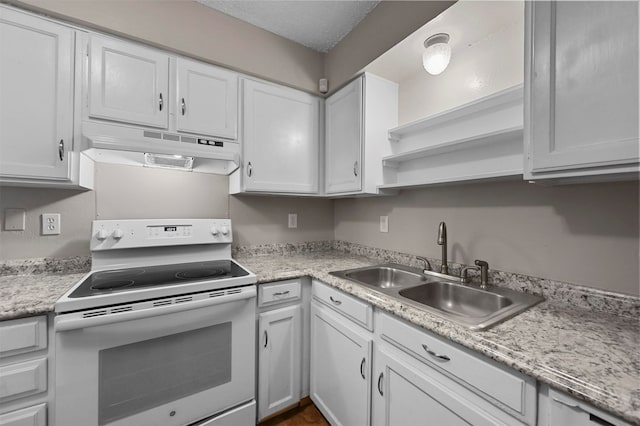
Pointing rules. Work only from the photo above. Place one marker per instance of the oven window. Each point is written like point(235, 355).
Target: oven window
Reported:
point(143, 375)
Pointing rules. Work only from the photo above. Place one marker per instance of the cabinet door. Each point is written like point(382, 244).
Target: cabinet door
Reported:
point(280, 352)
point(584, 84)
point(343, 139)
point(280, 139)
point(404, 396)
point(207, 99)
point(340, 368)
point(36, 97)
point(128, 82)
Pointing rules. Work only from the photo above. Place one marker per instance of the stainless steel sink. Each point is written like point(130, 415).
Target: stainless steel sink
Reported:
point(386, 277)
point(456, 299)
point(443, 295)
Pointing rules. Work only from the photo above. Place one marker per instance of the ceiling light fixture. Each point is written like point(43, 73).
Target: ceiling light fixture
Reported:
point(436, 58)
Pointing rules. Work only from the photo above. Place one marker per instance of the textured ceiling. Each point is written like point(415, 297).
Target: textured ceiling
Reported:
point(319, 25)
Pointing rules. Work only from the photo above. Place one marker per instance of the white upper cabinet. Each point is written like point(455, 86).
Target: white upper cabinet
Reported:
point(280, 140)
point(128, 82)
point(343, 139)
point(581, 89)
point(357, 118)
point(36, 98)
point(207, 99)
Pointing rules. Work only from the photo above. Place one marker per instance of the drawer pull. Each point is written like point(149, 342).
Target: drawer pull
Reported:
point(380, 384)
point(434, 354)
point(568, 404)
point(335, 301)
point(362, 369)
point(281, 293)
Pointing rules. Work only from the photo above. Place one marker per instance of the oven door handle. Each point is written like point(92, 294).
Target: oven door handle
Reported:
point(77, 320)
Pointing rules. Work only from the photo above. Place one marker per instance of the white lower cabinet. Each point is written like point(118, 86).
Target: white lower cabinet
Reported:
point(30, 416)
point(279, 355)
point(409, 394)
point(340, 367)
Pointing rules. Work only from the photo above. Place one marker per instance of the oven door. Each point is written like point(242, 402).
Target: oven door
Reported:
point(170, 361)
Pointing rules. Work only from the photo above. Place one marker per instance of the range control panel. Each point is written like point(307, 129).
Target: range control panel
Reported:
point(119, 234)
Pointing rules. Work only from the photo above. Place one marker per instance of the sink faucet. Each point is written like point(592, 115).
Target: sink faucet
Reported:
point(442, 241)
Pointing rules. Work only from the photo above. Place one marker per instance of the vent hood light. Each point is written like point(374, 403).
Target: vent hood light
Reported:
point(176, 162)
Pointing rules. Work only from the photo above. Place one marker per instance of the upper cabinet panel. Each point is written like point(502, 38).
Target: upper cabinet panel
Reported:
point(582, 88)
point(128, 82)
point(207, 99)
point(280, 140)
point(343, 139)
point(36, 97)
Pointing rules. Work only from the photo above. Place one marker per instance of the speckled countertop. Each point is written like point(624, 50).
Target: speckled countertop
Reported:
point(592, 355)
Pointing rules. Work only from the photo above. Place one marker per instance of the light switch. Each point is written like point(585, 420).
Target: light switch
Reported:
point(14, 219)
point(384, 223)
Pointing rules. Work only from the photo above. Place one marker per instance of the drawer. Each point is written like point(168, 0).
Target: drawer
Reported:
point(278, 292)
point(23, 379)
point(31, 416)
point(23, 335)
point(351, 307)
point(512, 391)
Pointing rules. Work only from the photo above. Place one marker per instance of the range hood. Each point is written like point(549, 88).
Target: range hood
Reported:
point(109, 143)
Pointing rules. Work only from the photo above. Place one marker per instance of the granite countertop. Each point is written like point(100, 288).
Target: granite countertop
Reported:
point(591, 354)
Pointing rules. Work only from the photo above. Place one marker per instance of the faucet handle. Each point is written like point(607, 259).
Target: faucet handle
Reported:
point(427, 264)
point(464, 277)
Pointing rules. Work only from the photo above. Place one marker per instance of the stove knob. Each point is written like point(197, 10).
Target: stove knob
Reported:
point(117, 234)
point(214, 230)
point(102, 235)
point(224, 230)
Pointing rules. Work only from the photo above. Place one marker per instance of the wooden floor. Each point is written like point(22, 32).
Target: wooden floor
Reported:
point(300, 416)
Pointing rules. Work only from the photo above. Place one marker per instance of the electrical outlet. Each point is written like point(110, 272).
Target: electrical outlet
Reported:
point(384, 223)
point(51, 224)
point(293, 220)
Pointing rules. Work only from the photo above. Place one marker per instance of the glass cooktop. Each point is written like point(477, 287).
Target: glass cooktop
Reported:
point(122, 280)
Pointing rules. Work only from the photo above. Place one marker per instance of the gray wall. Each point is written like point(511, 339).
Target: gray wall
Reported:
point(583, 234)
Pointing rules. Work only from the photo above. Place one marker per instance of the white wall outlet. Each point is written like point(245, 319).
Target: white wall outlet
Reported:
point(50, 223)
point(293, 220)
point(14, 219)
point(384, 223)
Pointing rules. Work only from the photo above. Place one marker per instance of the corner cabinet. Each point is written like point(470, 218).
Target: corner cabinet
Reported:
point(357, 118)
point(280, 140)
point(36, 101)
point(581, 90)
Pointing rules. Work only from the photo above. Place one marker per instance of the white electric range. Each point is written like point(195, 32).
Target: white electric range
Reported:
point(160, 332)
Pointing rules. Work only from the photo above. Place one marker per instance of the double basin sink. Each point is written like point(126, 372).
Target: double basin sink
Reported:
point(443, 295)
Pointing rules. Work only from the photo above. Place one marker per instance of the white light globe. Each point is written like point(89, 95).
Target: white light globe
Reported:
point(436, 58)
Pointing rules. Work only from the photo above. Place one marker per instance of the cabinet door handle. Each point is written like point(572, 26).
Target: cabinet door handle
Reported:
point(362, 369)
point(61, 149)
point(160, 102)
point(434, 354)
point(380, 377)
point(249, 169)
point(266, 338)
point(335, 301)
point(184, 106)
point(281, 293)
point(355, 168)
